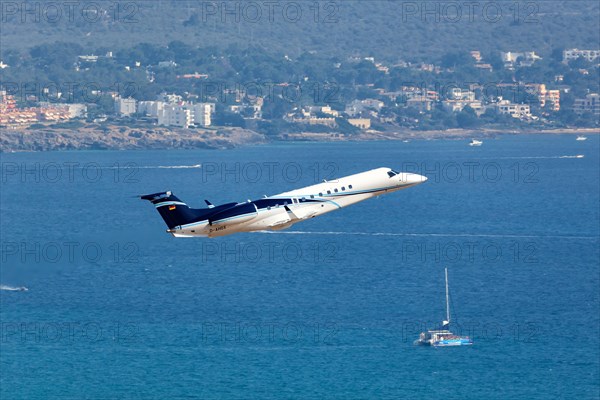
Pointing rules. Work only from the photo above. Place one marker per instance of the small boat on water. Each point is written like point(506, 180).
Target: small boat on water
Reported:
point(581, 138)
point(443, 337)
point(475, 142)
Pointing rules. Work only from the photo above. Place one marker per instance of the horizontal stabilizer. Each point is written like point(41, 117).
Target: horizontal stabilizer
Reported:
point(156, 196)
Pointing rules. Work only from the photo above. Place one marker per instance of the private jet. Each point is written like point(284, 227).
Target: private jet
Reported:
point(279, 211)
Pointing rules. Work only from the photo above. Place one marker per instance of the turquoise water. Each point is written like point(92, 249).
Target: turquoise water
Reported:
point(117, 308)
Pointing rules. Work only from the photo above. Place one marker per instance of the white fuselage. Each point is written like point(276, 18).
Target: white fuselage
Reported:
point(285, 209)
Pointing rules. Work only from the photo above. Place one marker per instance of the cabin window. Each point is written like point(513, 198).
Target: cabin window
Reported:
point(312, 196)
point(335, 190)
point(329, 192)
point(269, 208)
point(349, 186)
point(321, 194)
point(343, 188)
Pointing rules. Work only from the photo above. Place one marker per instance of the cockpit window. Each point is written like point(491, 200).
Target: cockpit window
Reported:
point(392, 173)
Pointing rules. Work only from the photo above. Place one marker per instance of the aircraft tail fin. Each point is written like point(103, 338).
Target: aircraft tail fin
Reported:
point(172, 210)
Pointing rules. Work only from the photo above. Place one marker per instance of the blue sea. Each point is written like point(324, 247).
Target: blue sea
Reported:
point(328, 309)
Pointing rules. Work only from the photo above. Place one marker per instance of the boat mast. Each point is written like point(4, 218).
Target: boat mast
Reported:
point(447, 298)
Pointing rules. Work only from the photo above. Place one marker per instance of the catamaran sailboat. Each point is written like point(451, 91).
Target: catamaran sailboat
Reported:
point(443, 337)
point(475, 142)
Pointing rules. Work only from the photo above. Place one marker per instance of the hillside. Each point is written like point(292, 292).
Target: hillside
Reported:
point(388, 30)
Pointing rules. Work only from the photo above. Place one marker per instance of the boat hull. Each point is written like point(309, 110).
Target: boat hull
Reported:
point(453, 342)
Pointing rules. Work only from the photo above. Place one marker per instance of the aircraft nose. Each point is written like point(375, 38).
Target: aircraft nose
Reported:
point(412, 179)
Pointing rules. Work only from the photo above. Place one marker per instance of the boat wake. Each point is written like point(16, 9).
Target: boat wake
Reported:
point(133, 166)
point(13, 289)
point(535, 157)
point(171, 166)
point(470, 235)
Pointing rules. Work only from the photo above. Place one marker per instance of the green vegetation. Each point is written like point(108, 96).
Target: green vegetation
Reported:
point(321, 59)
point(387, 30)
point(287, 84)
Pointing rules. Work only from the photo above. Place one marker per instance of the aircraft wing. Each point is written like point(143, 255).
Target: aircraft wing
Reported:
point(299, 214)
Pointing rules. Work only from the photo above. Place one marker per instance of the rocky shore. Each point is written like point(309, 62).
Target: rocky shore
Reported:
point(115, 137)
point(124, 138)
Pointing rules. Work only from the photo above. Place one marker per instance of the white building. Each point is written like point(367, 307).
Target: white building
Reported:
point(322, 109)
point(459, 105)
point(202, 113)
point(526, 59)
point(90, 59)
point(458, 99)
point(169, 98)
point(373, 103)
point(150, 108)
point(590, 104)
point(184, 115)
point(125, 107)
point(356, 107)
point(175, 115)
point(77, 110)
point(521, 111)
point(460, 94)
point(167, 64)
point(573, 54)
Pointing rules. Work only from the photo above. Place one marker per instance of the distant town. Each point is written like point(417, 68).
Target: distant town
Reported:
point(508, 90)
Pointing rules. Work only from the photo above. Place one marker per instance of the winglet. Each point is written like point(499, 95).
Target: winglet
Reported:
point(209, 204)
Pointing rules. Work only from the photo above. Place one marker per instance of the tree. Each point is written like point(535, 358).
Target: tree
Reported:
point(457, 59)
point(467, 118)
point(557, 54)
point(181, 51)
point(495, 61)
point(346, 127)
point(226, 118)
point(580, 63)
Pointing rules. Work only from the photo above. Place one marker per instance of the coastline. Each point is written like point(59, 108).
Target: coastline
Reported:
point(433, 134)
point(125, 138)
point(116, 137)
